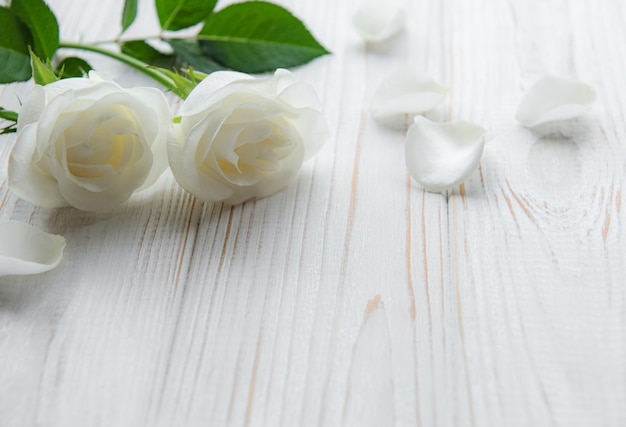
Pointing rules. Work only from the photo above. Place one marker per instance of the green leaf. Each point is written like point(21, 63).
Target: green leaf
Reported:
point(8, 115)
point(129, 14)
point(14, 41)
point(190, 53)
point(42, 72)
point(178, 14)
point(141, 50)
point(257, 36)
point(15, 67)
point(9, 129)
point(73, 67)
point(42, 24)
point(12, 128)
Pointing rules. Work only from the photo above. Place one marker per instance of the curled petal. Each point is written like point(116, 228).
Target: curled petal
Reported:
point(211, 89)
point(376, 21)
point(440, 156)
point(554, 98)
point(164, 131)
point(405, 92)
point(26, 178)
point(27, 250)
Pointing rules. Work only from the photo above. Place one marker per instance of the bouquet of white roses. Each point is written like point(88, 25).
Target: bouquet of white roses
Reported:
point(86, 142)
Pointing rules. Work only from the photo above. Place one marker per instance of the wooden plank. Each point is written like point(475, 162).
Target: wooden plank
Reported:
point(536, 245)
point(353, 297)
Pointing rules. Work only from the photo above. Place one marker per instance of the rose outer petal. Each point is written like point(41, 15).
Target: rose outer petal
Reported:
point(26, 179)
point(204, 186)
point(27, 250)
point(164, 131)
point(405, 92)
point(376, 21)
point(553, 98)
point(440, 156)
point(215, 86)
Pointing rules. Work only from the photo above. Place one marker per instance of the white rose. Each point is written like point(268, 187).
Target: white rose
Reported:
point(88, 143)
point(241, 137)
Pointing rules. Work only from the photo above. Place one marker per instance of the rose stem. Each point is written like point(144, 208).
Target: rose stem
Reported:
point(126, 59)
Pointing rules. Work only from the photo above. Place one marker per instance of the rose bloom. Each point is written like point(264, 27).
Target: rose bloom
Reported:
point(88, 143)
point(242, 138)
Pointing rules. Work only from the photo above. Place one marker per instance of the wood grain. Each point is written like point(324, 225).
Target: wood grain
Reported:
point(353, 297)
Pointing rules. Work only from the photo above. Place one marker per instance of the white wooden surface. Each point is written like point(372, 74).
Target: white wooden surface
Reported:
point(353, 297)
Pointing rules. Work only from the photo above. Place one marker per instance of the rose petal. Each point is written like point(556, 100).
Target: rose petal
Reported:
point(554, 98)
point(376, 21)
point(440, 156)
point(405, 92)
point(164, 131)
point(198, 181)
point(214, 86)
point(26, 178)
point(27, 250)
point(32, 107)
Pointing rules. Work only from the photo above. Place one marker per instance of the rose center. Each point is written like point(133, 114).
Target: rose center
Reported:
point(258, 149)
point(106, 151)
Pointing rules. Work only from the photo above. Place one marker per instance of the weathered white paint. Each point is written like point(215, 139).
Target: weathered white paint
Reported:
point(353, 297)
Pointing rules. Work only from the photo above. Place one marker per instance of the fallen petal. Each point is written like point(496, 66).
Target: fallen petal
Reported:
point(376, 21)
point(404, 94)
point(26, 250)
point(554, 98)
point(440, 156)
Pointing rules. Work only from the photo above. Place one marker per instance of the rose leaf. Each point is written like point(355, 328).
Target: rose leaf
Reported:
point(73, 67)
point(42, 24)
point(9, 116)
point(14, 40)
point(129, 13)
point(178, 14)
point(258, 36)
point(141, 50)
point(190, 53)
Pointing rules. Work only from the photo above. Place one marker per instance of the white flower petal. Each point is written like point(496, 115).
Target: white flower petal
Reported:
point(212, 87)
point(32, 107)
point(26, 178)
point(405, 92)
point(165, 132)
point(440, 156)
point(27, 250)
point(554, 98)
point(203, 184)
point(376, 21)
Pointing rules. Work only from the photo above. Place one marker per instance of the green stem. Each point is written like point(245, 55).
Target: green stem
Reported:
point(161, 37)
point(126, 59)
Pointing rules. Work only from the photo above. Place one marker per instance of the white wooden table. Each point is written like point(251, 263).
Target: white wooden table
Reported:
point(353, 297)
